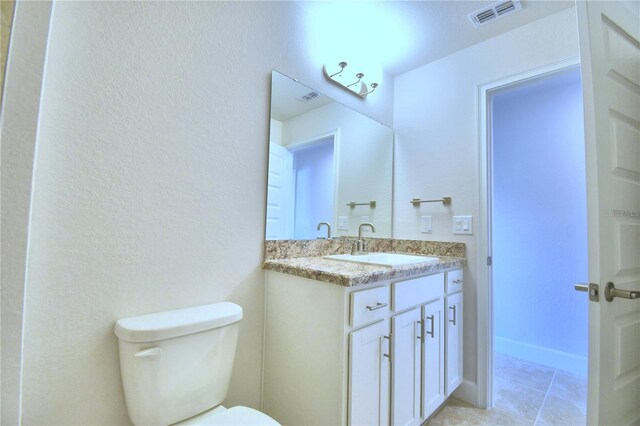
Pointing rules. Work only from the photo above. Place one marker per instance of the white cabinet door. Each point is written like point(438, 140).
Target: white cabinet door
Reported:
point(405, 368)
point(433, 392)
point(369, 375)
point(453, 364)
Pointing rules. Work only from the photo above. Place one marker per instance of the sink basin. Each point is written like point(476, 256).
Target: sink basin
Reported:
point(383, 259)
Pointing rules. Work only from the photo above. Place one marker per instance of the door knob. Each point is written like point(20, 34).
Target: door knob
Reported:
point(610, 292)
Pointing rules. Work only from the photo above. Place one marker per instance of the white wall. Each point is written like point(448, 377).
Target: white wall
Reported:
point(150, 184)
point(275, 132)
point(540, 219)
point(365, 158)
point(20, 107)
point(436, 124)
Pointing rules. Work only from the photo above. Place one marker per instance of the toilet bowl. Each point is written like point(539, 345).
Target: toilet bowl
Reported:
point(176, 367)
point(238, 415)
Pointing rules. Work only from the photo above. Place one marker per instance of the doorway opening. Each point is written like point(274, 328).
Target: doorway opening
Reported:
point(302, 187)
point(538, 243)
point(313, 187)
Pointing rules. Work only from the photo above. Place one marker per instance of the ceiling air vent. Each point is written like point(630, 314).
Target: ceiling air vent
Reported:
point(495, 11)
point(308, 97)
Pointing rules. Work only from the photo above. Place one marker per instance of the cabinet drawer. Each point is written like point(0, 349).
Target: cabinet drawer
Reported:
point(454, 281)
point(417, 291)
point(369, 305)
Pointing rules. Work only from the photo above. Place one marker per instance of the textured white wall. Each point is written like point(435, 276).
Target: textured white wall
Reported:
point(20, 107)
point(436, 125)
point(150, 185)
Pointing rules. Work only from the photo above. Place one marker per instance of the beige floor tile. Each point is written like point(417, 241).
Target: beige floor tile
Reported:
point(559, 411)
point(536, 376)
point(569, 386)
point(518, 399)
point(455, 402)
point(466, 416)
point(524, 393)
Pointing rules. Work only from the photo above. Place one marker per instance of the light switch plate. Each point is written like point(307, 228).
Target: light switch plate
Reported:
point(463, 225)
point(343, 223)
point(425, 227)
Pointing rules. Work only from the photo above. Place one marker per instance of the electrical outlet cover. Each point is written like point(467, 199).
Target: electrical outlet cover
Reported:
point(425, 227)
point(343, 223)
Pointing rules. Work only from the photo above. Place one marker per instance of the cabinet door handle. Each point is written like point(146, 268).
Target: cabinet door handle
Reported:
point(454, 314)
point(457, 281)
point(421, 333)
point(388, 346)
point(378, 306)
point(431, 333)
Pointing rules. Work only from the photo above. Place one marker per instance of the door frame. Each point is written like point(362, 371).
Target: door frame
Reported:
point(485, 279)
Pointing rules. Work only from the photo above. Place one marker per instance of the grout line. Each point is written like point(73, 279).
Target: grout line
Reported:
point(545, 396)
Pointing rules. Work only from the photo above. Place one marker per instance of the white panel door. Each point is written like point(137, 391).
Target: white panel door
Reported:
point(610, 55)
point(405, 368)
point(279, 192)
point(369, 375)
point(433, 393)
point(453, 339)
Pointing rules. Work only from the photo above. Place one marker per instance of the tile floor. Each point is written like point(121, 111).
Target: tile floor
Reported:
point(524, 394)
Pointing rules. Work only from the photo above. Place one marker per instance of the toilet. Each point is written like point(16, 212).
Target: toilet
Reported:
point(176, 367)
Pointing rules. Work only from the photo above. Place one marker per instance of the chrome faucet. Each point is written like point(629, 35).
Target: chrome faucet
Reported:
point(360, 245)
point(328, 229)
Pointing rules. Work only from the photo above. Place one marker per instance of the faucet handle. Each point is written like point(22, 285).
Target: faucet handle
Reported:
point(354, 247)
point(358, 247)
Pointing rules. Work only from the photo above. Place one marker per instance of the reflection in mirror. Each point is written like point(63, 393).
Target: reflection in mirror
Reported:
point(323, 158)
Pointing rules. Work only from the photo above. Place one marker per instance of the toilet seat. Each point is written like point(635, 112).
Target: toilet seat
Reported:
point(234, 416)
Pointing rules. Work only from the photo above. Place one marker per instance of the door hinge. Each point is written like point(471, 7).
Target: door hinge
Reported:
point(489, 261)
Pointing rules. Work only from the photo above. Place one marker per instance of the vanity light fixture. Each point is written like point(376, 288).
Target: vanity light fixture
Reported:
point(342, 66)
point(364, 84)
point(359, 75)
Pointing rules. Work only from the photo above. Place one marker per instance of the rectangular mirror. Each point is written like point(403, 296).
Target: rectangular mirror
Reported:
point(327, 163)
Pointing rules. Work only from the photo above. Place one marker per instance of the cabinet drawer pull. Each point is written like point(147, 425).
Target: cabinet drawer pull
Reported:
point(431, 333)
point(454, 314)
point(378, 306)
point(457, 281)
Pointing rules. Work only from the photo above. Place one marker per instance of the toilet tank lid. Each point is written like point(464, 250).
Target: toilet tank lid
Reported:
point(180, 322)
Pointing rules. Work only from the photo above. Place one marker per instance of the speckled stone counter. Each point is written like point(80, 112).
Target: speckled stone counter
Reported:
point(352, 274)
point(286, 249)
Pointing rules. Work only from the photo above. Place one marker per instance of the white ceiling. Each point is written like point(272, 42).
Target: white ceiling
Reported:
point(403, 34)
point(285, 105)
point(425, 30)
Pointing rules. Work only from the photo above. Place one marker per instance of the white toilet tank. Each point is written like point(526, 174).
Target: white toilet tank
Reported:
point(177, 364)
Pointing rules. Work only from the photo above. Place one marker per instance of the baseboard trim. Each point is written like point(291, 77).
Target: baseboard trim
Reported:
point(539, 354)
point(467, 392)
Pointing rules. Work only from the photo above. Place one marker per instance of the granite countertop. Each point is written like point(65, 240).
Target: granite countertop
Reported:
point(352, 274)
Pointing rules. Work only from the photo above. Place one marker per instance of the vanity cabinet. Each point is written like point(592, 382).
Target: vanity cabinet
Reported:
point(405, 367)
point(433, 360)
point(369, 375)
point(453, 335)
point(374, 354)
